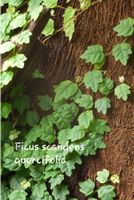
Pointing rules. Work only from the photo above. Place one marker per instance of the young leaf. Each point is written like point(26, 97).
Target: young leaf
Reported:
point(49, 28)
point(85, 4)
point(6, 109)
point(122, 91)
point(32, 118)
point(13, 134)
point(106, 86)
point(22, 38)
point(115, 179)
point(60, 192)
point(37, 74)
point(85, 101)
point(68, 22)
point(21, 103)
point(93, 79)
point(121, 52)
point(18, 21)
point(94, 55)
point(65, 90)
point(102, 105)
point(102, 176)
point(106, 192)
point(87, 187)
point(6, 77)
point(50, 3)
point(85, 118)
point(17, 194)
point(45, 102)
point(6, 47)
point(34, 8)
point(15, 61)
point(125, 27)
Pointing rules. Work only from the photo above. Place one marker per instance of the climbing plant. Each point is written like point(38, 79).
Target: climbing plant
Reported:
point(39, 152)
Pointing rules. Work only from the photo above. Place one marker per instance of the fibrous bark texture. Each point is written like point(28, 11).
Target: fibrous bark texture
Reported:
point(59, 60)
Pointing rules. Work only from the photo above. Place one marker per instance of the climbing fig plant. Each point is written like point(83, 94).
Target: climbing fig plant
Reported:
point(43, 144)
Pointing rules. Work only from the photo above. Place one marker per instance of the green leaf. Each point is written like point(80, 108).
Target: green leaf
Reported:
point(106, 86)
point(6, 109)
point(60, 192)
point(37, 74)
point(47, 196)
point(64, 136)
point(15, 3)
point(6, 77)
point(33, 134)
point(94, 55)
point(5, 191)
point(99, 126)
point(125, 27)
point(48, 133)
point(102, 105)
point(85, 4)
point(32, 118)
point(5, 19)
point(22, 38)
point(57, 180)
point(64, 115)
point(85, 101)
point(85, 118)
point(49, 28)
point(64, 90)
point(13, 134)
point(34, 8)
point(38, 190)
point(106, 192)
point(6, 47)
point(15, 61)
point(17, 194)
point(21, 103)
point(9, 162)
point(16, 182)
point(37, 172)
point(45, 102)
point(68, 22)
point(121, 52)
point(87, 187)
point(122, 91)
point(76, 133)
point(7, 150)
point(50, 3)
point(18, 21)
point(93, 79)
point(102, 176)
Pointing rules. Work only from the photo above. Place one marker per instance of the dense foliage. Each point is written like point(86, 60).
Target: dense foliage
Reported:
point(70, 118)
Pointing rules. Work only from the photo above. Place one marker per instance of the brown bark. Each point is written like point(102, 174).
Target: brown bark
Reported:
point(59, 60)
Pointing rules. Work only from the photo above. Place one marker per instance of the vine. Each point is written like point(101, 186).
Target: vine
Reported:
point(70, 125)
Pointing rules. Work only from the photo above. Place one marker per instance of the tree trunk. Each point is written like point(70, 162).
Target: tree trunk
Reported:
point(59, 60)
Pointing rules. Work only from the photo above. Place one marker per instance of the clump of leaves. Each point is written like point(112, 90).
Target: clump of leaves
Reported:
point(103, 192)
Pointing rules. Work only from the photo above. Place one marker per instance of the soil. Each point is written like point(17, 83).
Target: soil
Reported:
point(59, 60)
